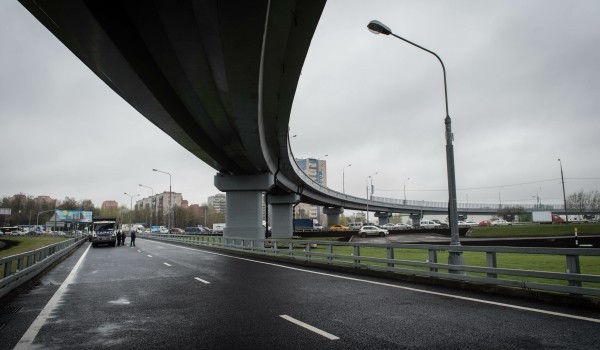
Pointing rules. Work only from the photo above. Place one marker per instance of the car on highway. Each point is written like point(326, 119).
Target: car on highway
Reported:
point(500, 222)
point(403, 226)
point(373, 231)
point(442, 224)
point(176, 230)
point(471, 223)
point(429, 224)
point(389, 226)
point(484, 223)
point(339, 228)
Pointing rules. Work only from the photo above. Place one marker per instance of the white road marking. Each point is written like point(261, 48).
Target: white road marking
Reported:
point(201, 280)
point(29, 336)
point(309, 327)
point(167, 264)
point(139, 251)
point(482, 301)
point(149, 255)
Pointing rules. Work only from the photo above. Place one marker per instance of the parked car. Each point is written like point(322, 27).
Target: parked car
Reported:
point(176, 230)
point(389, 226)
point(484, 223)
point(471, 223)
point(500, 222)
point(339, 228)
point(372, 231)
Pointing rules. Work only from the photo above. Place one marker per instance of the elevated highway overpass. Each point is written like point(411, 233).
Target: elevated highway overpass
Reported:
point(219, 77)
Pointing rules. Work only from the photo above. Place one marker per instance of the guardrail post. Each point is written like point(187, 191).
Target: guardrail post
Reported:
point(330, 252)
point(490, 258)
point(356, 255)
point(7, 268)
point(307, 249)
point(290, 248)
point(433, 259)
point(573, 267)
point(390, 256)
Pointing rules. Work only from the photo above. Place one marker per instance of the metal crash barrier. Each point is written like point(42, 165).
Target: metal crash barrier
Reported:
point(560, 270)
point(20, 268)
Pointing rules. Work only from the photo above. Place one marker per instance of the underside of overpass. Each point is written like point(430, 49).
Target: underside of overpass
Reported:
point(217, 76)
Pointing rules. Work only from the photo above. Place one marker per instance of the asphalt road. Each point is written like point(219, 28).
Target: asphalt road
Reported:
point(162, 296)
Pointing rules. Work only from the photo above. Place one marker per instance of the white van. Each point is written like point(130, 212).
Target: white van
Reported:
point(355, 225)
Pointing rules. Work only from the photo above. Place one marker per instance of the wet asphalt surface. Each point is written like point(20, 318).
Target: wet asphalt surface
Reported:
point(148, 297)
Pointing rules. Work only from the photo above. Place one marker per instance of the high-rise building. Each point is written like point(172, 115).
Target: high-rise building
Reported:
point(218, 202)
point(109, 204)
point(316, 169)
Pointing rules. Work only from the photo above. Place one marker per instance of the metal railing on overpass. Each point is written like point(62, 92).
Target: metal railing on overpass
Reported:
point(554, 270)
point(20, 268)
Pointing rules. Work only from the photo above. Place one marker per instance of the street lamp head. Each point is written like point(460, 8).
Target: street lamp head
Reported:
point(154, 170)
point(377, 27)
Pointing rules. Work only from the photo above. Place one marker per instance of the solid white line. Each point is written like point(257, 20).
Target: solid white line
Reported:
point(167, 264)
point(33, 330)
point(201, 280)
point(309, 327)
point(149, 255)
point(139, 251)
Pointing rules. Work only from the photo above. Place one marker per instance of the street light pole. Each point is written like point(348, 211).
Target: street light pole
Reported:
point(344, 178)
point(405, 190)
point(454, 258)
point(130, 206)
point(367, 186)
point(151, 206)
point(562, 177)
point(170, 198)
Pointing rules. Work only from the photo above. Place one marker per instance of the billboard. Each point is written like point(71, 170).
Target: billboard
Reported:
point(73, 216)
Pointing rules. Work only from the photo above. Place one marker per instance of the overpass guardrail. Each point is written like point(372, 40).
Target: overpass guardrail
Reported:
point(571, 271)
point(18, 269)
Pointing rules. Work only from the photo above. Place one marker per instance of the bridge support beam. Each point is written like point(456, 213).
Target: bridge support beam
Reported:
point(282, 225)
point(415, 218)
point(244, 203)
point(333, 215)
point(384, 217)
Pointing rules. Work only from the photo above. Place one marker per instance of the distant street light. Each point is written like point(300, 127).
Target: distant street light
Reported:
point(405, 190)
point(151, 206)
point(454, 258)
point(130, 206)
point(564, 193)
point(37, 220)
point(367, 185)
point(344, 178)
point(170, 198)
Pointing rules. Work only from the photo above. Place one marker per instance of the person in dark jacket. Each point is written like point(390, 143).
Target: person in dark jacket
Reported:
point(132, 239)
point(118, 238)
point(123, 235)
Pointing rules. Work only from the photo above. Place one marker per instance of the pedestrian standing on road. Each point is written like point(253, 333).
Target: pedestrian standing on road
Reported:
point(132, 239)
point(123, 235)
point(118, 238)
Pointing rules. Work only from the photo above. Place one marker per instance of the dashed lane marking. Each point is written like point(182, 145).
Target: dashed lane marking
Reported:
point(309, 327)
point(201, 280)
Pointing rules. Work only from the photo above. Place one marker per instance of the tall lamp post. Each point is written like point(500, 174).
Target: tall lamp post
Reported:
point(405, 190)
point(151, 206)
point(130, 205)
point(562, 177)
point(455, 258)
point(170, 198)
point(320, 182)
point(367, 186)
point(344, 178)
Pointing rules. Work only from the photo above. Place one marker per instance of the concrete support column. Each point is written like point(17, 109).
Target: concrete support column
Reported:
point(282, 225)
point(384, 217)
point(244, 203)
point(333, 215)
point(415, 218)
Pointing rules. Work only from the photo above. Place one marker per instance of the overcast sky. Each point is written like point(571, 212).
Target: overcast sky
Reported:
point(523, 91)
